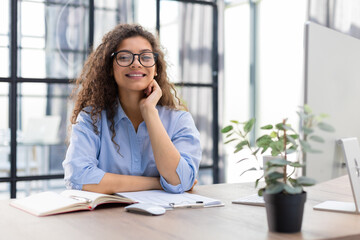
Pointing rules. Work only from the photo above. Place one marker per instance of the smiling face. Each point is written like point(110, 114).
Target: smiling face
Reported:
point(133, 78)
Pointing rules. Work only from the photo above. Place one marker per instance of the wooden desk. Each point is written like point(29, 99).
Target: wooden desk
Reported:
point(230, 222)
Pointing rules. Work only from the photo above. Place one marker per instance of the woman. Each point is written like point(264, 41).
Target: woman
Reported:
point(129, 132)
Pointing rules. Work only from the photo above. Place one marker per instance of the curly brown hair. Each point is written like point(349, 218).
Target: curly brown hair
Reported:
point(98, 88)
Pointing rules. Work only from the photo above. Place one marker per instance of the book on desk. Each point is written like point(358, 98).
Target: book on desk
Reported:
point(51, 203)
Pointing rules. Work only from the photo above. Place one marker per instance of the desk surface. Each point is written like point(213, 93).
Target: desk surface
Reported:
point(233, 221)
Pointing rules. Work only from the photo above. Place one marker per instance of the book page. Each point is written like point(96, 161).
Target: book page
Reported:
point(93, 198)
point(79, 194)
point(44, 203)
point(164, 199)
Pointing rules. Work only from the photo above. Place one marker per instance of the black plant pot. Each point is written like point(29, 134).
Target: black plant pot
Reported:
point(285, 211)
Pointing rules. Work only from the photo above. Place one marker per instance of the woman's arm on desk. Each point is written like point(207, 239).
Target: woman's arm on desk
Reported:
point(113, 183)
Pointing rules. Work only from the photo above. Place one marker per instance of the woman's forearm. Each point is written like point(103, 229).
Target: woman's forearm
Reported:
point(113, 183)
point(166, 156)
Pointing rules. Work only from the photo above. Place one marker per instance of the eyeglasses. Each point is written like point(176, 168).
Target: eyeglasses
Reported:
point(126, 58)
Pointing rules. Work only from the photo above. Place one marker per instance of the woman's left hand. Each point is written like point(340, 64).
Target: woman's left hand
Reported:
point(195, 182)
point(153, 94)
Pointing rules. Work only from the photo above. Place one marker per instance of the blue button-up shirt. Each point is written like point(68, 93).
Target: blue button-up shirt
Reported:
point(90, 156)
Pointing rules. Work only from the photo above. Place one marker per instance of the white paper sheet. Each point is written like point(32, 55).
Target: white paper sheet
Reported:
point(164, 199)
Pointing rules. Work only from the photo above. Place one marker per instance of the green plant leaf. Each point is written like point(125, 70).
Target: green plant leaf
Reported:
point(271, 170)
point(250, 169)
point(305, 145)
point(267, 127)
point(273, 176)
point(227, 129)
point(242, 143)
point(264, 149)
point(257, 182)
point(275, 188)
point(292, 190)
point(305, 181)
point(231, 140)
point(307, 130)
point(229, 134)
point(311, 150)
point(279, 126)
point(278, 162)
point(242, 160)
point(276, 147)
point(302, 115)
point(264, 141)
point(249, 125)
point(275, 152)
point(255, 152)
point(261, 191)
point(273, 134)
point(317, 138)
point(238, 149)
point(326, 127)
point(323, 115)
point(234, 121)
point(290, 151)
point(293, 181)
point(293, 148)
point(288, 127)
point(296, 164)
point(291, 139)
point(294, 136)
point(307, 109)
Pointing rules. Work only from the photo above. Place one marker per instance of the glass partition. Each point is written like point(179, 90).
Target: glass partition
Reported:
point(58, 48)
point(42, 130)
point(4, 38)
point(145, 14)
point(4, 131)
point(205, 176)
point(194, 99)
point(186, 33)
point(4, 191)
point(110, 13)
point(31, 187)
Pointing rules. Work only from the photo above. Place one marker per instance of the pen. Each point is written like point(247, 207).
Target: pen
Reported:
point(196, 204)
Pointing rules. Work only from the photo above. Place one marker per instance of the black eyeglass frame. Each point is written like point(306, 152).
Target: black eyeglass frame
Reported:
point(114, 54)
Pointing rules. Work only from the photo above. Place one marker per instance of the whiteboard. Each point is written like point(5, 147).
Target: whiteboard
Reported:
point(332, 86)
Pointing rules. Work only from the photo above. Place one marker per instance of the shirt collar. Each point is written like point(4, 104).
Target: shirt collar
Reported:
point(120, 114)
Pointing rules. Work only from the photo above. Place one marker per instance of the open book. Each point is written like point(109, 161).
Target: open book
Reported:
point(49, 203)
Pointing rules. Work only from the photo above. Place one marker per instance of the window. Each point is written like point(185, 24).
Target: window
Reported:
point(263, 69)
point(44, 45)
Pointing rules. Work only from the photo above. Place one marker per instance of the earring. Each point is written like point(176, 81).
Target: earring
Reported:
point(155, 74)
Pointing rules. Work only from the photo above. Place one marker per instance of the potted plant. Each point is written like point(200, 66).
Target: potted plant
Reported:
point(283, 193)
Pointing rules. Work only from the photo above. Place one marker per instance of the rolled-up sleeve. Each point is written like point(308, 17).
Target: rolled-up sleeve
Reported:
point(186, 139)
point(80, 164)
